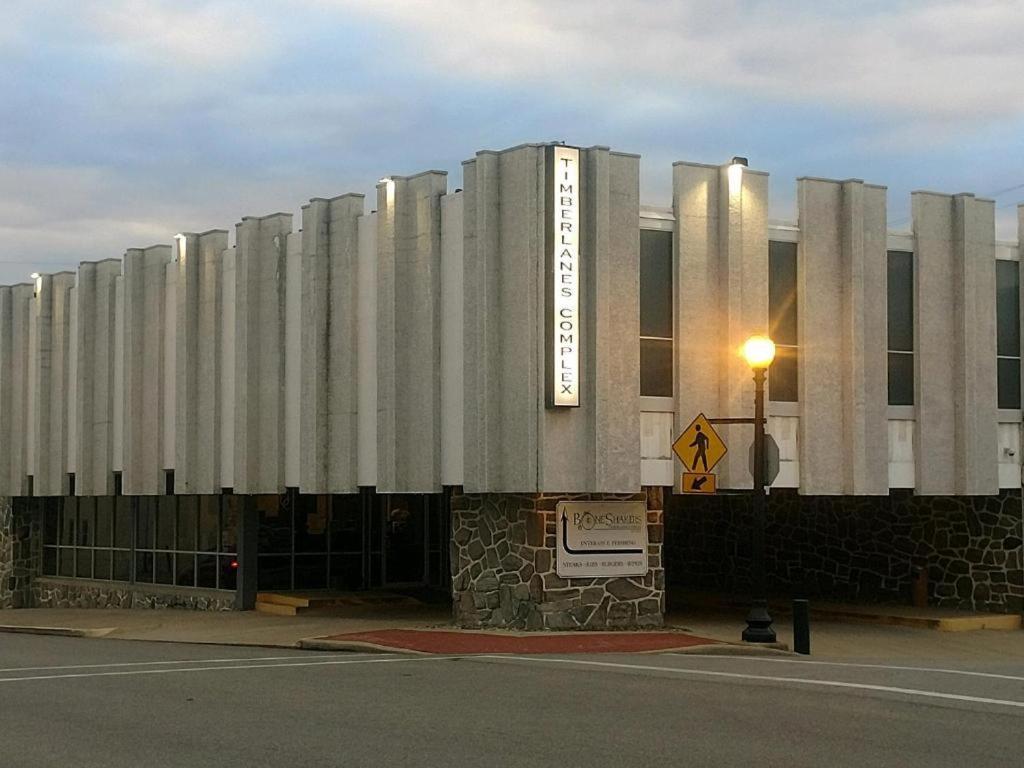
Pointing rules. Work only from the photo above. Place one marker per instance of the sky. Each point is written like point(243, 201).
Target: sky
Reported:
point(127, 121)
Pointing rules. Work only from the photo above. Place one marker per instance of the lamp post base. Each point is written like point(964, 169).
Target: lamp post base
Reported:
point(759, 624)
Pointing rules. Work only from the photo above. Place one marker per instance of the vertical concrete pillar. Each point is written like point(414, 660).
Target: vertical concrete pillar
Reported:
point(955, 360)
point(513, 441)
point(259, 441)
point(52, 377)
point(15, 377)
point(596, 447)
point(452, 363)
point(721, 282)
point(409, 333)
point(367, 350)
point(97, 299)
point(843, 338)
point(199, 362)
point(329, 405)
point(145, 285)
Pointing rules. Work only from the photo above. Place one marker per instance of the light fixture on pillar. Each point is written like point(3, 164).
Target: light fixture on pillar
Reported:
point(759, 352)
point(735, 171)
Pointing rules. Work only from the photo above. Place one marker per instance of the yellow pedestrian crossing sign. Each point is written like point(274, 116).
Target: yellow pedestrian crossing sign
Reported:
point(699, 447)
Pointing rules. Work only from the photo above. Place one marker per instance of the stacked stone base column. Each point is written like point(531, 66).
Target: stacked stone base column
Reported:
point(503, 559)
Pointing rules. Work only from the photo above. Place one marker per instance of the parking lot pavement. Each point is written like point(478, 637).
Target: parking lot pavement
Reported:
point(71, 701)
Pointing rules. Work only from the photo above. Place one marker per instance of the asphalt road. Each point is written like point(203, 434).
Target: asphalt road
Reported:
point(78, 702)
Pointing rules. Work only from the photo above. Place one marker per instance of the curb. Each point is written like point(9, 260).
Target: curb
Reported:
point(355, 646)
point(16, 629)
point(737, 649)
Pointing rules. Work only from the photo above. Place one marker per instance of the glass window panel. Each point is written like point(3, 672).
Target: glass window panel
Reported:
point(901, 301)
point(123, 522)
point(347, 523)
point(164, 567)
point(901, 378)
point(187, 511)
point(228, 573)
point(147, 522)
point(311, 523)
point(49, 561)
point(655, 368)
point(51, 521)
point(656, 283)
point(274, 572)
point(310, 571)
point(209, 523)
point(782, 306)
point(207, 571)
point(104, 521)
point(122, 565)
point(83, 563)
point(165, 513)
point(101, 564)
point(68, 521)
point(231, 512)
point(275, 515)
point(346, 572)
point(86, 521)
point(144, 567)
point(1008, 308)
point(66, 561)
point(185, 572)
point(782, 376)
point(1009, 382)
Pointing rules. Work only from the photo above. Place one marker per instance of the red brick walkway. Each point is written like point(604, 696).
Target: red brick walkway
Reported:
point(430, 641)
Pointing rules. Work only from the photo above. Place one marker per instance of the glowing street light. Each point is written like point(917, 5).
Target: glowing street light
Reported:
point(759, 351)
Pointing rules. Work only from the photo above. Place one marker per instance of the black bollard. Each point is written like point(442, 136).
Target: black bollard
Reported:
point(802, 627)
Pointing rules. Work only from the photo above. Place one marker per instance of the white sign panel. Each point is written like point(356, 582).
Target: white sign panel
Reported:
point(565, 210)
point(601, 538)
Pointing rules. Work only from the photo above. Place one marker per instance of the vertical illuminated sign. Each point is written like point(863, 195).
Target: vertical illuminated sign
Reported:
point(564, 255)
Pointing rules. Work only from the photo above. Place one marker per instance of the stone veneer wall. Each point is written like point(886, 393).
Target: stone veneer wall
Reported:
point(504, 571)
point(83, 593)
point(855, 547)
point(20, 552)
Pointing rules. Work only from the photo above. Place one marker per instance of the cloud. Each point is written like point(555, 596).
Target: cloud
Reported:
point(948, 61)
point(183, 35)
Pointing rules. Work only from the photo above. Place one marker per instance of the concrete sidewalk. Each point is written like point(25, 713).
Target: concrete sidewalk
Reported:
point(831, 638)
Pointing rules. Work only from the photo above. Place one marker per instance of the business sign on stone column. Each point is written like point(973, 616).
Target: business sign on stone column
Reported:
point(601, 538)
point(563, 257)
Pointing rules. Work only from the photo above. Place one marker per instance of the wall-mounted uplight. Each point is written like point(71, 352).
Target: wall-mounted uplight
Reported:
point(35, 275)
point(736, 166)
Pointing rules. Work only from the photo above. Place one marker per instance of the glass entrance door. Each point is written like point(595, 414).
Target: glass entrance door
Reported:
point(405, 540)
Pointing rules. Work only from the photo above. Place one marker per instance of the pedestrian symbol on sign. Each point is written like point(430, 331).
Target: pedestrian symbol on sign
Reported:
point(700, 442)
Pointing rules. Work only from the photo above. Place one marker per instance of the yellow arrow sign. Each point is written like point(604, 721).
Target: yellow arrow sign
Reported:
point(699, 482)
point(699, 447)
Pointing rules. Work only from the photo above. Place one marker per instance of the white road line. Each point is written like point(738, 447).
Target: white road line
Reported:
point(156, 663)
point(125, 673)
point(850, 664)
point(768, 678)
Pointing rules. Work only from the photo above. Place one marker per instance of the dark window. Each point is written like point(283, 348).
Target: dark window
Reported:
point(1008, 332)
point(782, 321)
point(656, 313)
point(144, 539)
point(901, 327)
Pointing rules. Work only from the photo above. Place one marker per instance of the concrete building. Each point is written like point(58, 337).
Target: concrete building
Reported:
point(460, 391)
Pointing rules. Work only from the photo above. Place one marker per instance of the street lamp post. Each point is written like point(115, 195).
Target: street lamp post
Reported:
point(759, 352)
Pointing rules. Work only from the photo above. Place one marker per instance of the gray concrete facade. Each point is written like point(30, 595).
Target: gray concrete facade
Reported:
point(260, 280)
point(955, 376)
point(145, 291)
point(842, 327)
point(329, 406)
point(721, 281)
point(52, 375)
point(514, 443)
point(409, 332)
point(405, 348)
point(199, 398)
